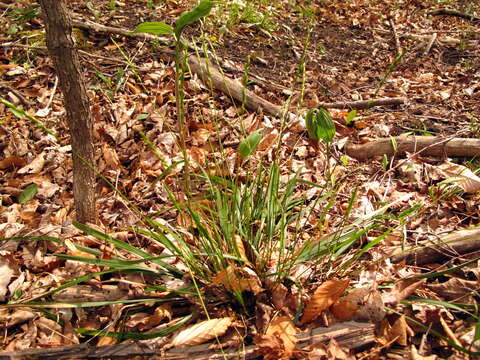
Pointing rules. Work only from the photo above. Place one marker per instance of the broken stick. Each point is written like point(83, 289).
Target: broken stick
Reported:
point(427, 145)
point(452, 245)
point(450, 12)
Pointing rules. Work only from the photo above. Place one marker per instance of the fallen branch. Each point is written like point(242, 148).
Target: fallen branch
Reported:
point(362, 104)
point(395, 36)
point(452, 245)
point(430, 44)
point(447, 40)
point(450, 12)
point(352, 334)
point(427, 145)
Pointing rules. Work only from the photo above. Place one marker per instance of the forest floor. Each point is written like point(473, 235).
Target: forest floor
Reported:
point(349, 53)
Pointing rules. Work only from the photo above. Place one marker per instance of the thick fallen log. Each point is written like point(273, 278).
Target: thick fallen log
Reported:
point(426, 145)
point(354, 335)
point(450, 246)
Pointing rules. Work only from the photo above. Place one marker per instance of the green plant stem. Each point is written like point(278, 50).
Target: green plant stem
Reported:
point(180, 66)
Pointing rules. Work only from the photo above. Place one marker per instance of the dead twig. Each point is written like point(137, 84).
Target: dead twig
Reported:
point(395, 36)
point(362, 104)
point(430, 44)
point(450, 12)
point(17, 93)
point(452, 245)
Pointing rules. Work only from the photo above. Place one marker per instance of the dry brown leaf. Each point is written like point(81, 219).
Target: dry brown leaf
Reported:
point(326, 295)
point(449, 331)
point(237, 280)
point(414, 355)
point(106, 341)
point(133, 88)
point(269, 346)
point(401, 290)
point(463, 176)
point(18, 316)
point(111, 157)
point(398, 331)
point(283, 328)
point(6, 273)
point(145, 321)
point(267, 142)
point(240, 247)
point(11, 161)
point(202, 332)
point(35, 166)
point(344, 309)
point(455, 289)
point(337, 352)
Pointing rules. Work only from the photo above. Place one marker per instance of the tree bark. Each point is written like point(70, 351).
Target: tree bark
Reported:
point(66, 61)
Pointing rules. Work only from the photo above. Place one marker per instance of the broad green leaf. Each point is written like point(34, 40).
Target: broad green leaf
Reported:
point(248, 145)
point(351, 115)
point(320, 125)
point(154, 28)
point(28, 193)
point(325, 127)
point(189, 17)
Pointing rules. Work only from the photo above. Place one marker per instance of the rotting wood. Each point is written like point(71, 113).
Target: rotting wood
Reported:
point(426, 145)
point(354, 335)
point(452, 245)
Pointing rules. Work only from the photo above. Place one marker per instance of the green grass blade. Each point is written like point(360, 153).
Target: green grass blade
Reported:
point(132, 249)
point(120, 336)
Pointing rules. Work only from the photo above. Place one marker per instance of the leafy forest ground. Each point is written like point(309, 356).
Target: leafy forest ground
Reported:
point(295, 54)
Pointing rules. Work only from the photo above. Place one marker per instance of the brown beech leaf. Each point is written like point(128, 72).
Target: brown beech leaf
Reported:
point(111, 157)
point(240, 247)
point(344, 309)
point(283, 328)
point(395, 330)
point(11, 161)
point(35, 166)
point(267, 142)
point(463, 176)
point(237, 279)
point(398, 331)
point(325, 296)
point(269, 346)
point(202, 332)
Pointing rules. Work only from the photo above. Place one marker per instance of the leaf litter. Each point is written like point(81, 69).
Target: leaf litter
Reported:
point(348, 56)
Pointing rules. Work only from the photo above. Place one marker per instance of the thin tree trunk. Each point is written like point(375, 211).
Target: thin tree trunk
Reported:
point(66, 60)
